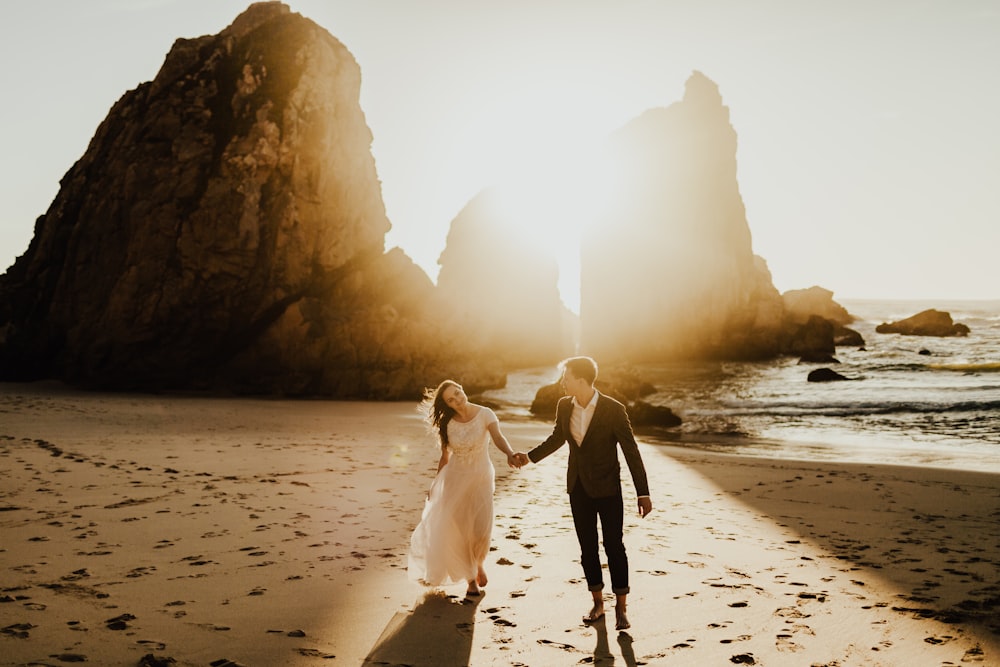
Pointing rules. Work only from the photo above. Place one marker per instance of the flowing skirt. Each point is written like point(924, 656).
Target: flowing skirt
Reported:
point(453, 537)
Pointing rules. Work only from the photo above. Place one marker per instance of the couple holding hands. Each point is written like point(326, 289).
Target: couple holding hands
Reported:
point(451, 542)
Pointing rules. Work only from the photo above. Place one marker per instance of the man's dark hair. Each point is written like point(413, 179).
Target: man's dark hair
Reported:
point(581, 367)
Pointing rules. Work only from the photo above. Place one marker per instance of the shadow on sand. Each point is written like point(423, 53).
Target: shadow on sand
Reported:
point(436, 633)
point(603, 657)
point(932, 534)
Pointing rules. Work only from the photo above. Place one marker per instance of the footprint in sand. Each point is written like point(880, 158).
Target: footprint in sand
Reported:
point(784, 643)
point(974, 654)
point(19, 630)
point(313, 653)
point(69, 657)
point(119, 622)
point(792, 612)
point(151, 644)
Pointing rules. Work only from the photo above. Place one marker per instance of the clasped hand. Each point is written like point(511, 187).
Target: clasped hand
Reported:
point(518, 460)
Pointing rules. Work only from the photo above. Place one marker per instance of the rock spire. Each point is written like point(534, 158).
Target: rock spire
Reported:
point(225, 230)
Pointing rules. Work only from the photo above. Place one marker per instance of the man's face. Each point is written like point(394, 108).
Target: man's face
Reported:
point(570, 383)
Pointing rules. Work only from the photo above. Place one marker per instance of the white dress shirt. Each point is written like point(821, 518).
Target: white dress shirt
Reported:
point(579, 421)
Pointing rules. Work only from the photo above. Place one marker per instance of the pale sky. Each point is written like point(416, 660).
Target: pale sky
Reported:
point(869, 145)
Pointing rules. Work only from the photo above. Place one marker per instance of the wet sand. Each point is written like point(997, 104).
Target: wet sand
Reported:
point(264, 532)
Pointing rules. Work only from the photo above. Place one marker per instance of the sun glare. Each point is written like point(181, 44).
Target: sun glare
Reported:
point(552, 201)
point(535, 142)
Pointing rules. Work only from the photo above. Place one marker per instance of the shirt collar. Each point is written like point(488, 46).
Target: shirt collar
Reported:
point(590, 404)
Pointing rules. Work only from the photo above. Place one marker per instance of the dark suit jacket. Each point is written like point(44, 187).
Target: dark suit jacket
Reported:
point(595, 461)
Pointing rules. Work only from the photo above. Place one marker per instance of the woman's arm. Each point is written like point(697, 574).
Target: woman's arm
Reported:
point(445, 457)
point(501, 443)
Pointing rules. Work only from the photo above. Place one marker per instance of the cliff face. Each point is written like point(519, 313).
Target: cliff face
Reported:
point(225, 229)
point(669, 270)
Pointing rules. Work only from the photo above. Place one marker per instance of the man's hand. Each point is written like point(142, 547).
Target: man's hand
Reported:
point(645, 506)
point(522, 459)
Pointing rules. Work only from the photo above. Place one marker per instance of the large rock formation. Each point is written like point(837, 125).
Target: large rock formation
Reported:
point(502, 287)
point(669, 271)
point(225, 229)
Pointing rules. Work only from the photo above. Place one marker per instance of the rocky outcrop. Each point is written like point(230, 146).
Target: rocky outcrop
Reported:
point(669, 271)
point(802, 304)
point(644, 415)
point(225, 230)
point(847, 337)
point(812, 340)
point(927, 323)
point(502, 288)
point(824, 375)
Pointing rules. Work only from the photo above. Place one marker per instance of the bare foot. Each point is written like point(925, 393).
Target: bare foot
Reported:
point(596, 613)
point(481, 577)
point(621, 620)
point(473, 589)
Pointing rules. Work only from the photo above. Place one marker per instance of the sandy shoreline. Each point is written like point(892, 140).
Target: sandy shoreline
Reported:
point(269, 532)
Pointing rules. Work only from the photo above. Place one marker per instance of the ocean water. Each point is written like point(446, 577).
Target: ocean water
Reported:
point(940, 408)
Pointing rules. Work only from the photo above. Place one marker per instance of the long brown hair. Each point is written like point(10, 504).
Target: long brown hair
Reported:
point(436, 411)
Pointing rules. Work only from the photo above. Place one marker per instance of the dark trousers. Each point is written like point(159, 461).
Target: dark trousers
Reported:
point(610, 510)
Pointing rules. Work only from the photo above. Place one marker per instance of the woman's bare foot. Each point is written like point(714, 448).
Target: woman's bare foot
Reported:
point(481, 577)
point(473, 589)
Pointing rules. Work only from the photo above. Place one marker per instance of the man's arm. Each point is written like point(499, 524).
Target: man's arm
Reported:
point(556, 440)
point(626, 440)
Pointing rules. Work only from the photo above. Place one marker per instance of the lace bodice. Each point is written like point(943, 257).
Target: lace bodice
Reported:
point(469, 441)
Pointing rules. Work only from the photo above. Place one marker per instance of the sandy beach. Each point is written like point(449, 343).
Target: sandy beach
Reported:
point(141, 529)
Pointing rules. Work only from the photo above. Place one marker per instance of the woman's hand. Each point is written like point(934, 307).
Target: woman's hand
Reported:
point(517, 460)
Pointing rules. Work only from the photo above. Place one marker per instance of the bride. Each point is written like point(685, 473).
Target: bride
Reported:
point(451, 541)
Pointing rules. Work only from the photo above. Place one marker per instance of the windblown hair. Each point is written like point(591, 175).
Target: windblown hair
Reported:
point(582, 367)
point(436, 412)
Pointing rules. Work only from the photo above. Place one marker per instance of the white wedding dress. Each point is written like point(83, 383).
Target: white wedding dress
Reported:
point(453, 536)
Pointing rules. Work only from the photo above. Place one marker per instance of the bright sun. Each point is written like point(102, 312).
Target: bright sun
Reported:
point(536, 149)
point(552, 201)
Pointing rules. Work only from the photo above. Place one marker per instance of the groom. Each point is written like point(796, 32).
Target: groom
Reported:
point(595, 426)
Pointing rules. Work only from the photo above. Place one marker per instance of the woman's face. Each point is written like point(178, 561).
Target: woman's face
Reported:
point(454, 397)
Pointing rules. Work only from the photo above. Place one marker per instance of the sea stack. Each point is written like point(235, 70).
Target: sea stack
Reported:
point(669, 271)
point(225, 230)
